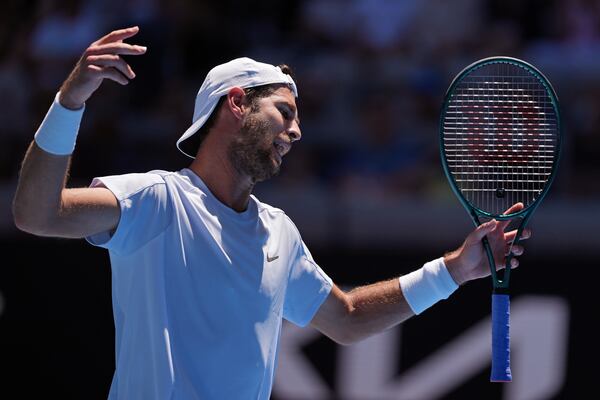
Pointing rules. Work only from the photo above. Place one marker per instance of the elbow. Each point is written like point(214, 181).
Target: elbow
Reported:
point(348, 338)
point(345, 341)
point(26, 221)
point(25, 224)
point(20, 219)
point(350, 332)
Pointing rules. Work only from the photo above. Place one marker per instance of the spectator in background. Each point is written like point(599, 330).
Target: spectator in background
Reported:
point(581, 22)
point(373, 25)
point(16, 90)
point(389, 156)
point(64, 28)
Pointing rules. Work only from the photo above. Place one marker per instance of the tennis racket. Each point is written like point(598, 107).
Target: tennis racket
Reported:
point(500, 144)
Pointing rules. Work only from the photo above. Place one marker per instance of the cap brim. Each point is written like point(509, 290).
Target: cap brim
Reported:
point(193, 129)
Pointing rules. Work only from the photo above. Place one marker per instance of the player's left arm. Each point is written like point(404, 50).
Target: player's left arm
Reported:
point(348, 317)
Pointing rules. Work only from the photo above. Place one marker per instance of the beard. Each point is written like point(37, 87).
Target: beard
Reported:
point(250, 153)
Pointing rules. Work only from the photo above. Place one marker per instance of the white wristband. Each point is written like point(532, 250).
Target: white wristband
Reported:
point(427, 285)
point(58, 131)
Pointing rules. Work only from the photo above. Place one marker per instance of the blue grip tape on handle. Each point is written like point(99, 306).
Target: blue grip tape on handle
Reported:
point(500, 338)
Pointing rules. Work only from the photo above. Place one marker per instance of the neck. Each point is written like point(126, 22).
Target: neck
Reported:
point(224, 182)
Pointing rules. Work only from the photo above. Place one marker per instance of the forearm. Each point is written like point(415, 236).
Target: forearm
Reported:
point(37, 200)
point(44, 170)
point(377, 307)
point(382, 305)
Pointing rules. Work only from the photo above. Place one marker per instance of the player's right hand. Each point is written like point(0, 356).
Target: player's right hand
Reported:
point(101, 60)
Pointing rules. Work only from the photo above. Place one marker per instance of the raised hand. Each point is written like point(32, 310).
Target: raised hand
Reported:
point(470, 261)
point(101, 60)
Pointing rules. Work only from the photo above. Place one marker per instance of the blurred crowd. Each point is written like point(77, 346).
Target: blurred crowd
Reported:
point(371, 74)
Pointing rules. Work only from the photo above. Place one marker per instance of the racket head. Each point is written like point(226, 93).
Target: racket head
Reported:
point(500, 136)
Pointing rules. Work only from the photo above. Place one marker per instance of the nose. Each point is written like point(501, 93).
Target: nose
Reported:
point(294, 132)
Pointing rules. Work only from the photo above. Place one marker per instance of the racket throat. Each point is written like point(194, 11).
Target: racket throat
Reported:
point(501, 290)
point(500, 279)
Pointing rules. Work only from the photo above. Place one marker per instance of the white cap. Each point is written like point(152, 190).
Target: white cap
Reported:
point(242, 72)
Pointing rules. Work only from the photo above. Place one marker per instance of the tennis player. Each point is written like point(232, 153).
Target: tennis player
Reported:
point(203, 272)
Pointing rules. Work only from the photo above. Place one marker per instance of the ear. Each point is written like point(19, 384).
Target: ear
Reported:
point(236, 102)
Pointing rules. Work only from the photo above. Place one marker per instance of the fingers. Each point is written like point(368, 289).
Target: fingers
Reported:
point(116, 48)
point(516, 250)
point(104, 60)
point(110, 60)
point(109, 73)
point(513, 209)
point(514, 263)
point(509, 237)
point(481, 231)
point(118, 35)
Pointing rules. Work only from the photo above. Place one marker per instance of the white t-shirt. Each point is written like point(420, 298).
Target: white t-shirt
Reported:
point(199, 290)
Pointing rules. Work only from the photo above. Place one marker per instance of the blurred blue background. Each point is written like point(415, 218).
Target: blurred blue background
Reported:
point(365, 185)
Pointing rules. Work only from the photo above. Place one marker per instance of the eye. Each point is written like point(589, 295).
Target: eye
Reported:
point(285, 113)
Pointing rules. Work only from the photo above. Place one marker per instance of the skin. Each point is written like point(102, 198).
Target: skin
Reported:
point(246, 145)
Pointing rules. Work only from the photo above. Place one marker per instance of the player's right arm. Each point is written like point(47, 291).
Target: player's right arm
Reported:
point(42, 204)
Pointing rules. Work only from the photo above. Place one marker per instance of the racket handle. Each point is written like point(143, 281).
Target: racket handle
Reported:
point(500, 338)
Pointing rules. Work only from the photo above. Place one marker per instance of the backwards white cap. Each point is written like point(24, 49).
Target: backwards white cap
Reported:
point(242, 72)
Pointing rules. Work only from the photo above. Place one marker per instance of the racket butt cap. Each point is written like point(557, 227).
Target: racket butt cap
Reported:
point(501, 380)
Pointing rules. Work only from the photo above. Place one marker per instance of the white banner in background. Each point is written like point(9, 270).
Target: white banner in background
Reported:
point(367, 370)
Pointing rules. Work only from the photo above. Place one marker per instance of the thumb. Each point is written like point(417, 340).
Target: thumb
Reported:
point(483, 230)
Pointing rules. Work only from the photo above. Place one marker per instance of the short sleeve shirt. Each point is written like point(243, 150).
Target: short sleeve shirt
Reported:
point(199, 290)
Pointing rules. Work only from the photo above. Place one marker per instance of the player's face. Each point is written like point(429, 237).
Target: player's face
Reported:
point(266, 135)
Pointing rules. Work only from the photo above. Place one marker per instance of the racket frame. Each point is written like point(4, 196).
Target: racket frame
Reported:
point(500, 371)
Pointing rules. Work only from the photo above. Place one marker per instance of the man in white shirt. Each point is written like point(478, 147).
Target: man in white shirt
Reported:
point(203, 272)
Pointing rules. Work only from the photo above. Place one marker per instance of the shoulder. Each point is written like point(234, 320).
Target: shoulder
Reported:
point(268, 210)
point(128, 185)
point(275, 216)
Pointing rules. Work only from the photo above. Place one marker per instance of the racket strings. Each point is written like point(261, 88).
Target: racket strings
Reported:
point(500, 131)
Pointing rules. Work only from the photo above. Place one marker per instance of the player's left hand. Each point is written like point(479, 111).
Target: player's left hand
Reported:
point(470, 261)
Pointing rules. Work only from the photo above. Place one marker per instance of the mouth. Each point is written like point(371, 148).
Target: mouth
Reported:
point(281, 149)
